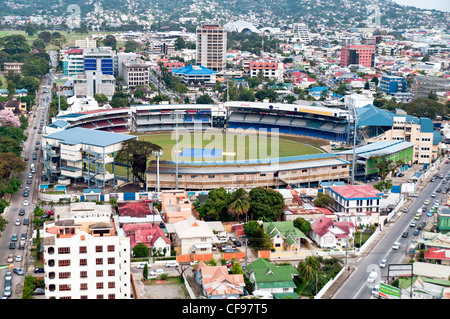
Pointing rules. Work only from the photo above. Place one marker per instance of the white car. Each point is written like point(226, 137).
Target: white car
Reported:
point(142, 265)
point(396, 245)
point(372, 276)
point(156, 272)
point(25, 203)
point(17, 223)
point(172, 264)
point(383, 263)
point(18, 257)
point(413, 224)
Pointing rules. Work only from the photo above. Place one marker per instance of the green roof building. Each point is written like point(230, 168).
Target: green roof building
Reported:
point(271, 278)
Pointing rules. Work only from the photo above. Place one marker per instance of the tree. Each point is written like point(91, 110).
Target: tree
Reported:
point(257, 237)
point(145, 272)
point(422, 107)
point(100, 98)
point(308, 269)
point(204, 99)
point(266, 204)
point(302, 224)
point(386, 166)
point(131, 46)
point(31, 30)
point(239, 203)
point(323, 200)
point(110, 41)
point(215, 206)
point(8, 118)
point(140, 250)
point(136, 153)
point(15, 44)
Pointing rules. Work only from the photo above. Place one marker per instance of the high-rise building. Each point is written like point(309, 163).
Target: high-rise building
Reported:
point(212, 46)
point(358, 54)
point(301, 32)
point(86, 254)
point(99, 60)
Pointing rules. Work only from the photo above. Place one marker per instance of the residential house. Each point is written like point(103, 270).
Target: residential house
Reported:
point(285, 236)
point(175, 206)
point(150, 235)
point(328, 233)
point(217, 283)
point(191, 236)
point(270, 278)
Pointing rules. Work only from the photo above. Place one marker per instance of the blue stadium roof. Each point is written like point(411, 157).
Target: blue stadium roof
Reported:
point(371, 115)
point(194, 70)
point(78, 135)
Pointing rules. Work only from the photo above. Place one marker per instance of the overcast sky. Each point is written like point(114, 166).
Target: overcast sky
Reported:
point(443, 5)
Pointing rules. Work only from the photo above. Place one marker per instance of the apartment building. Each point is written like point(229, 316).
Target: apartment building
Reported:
point(392, 84)
point(136, 72)
point(94, 82)
point(421, 132)
point(73, 62)
point(355, 198)
point(87, 43)
point(12, 67)
point(86, 255)
point(211, 46)
point(175, 206)
point(358, 54)
point(269, 70)
point(301, 32)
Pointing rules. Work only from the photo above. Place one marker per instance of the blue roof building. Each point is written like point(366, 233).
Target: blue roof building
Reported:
point(79, 154)
point(196, 75)
point(392, 84)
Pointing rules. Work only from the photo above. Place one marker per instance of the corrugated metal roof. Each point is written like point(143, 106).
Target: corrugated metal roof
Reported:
point(79, 135)
point(379, 148)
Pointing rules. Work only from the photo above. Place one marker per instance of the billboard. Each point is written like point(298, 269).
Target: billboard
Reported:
point(388, 292)
point(400, 270)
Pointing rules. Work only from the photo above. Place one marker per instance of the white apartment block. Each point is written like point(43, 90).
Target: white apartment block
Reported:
point(269, 70)
point(301, 32)
point(86, 43)
point(94, 82)
point(85, 254)
point(212, 46)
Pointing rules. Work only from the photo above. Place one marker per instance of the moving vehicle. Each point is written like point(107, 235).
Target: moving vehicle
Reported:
point(372, 276)
point(383, 263)
point(156, 272)
point(405, 234)
point(396, 245)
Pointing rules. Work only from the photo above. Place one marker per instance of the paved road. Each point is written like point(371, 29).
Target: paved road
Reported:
point(17, 200)
point(356, 286)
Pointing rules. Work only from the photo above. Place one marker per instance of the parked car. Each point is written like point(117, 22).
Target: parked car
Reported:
point(18, 258)
point(12, 245)
point(38, 270)
point(26, 203)
point(430, 213)
point(17, 222)
point(433, 195)
point(7, 291)
point(172, 264)
point(23, 236)
point(26, 221)
point(14, 237)
point(426, 202)
point(39, 291)
point(416, 232)
point(237, 243)
point(10, 258)
point(19, 271)
point(156, 272)
point(142, 265)
point(29, 181)
point(413, 224)
point(8, 275)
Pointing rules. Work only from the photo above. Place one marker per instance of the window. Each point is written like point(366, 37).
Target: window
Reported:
point(99, 261)
point(111, 272)
point(83, 262)
point(64, 250)
point(111, 261)
point(99, 285)
point(83, 274)
point(64, 287)
point(111, 248)
point(99, 273)
point(83, 286)
point(98, 249)
point(63, 263)
point(83, 249)
point(112, 284)
point(64, 275)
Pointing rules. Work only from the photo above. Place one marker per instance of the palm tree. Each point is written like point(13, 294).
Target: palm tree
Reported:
point(308, 269)
point(239, 204)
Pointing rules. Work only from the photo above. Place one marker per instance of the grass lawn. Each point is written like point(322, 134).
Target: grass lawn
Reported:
point(243, 147)
point(235, 146)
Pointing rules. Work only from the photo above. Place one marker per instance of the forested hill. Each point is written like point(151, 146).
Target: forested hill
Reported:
point(276, 13)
